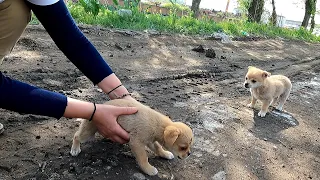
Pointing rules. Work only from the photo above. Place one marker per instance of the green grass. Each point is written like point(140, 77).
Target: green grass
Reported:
point(184, 25)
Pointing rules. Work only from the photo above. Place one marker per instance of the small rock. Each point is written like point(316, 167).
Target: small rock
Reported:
point(110, 55)
point(114, 163)
point(38, 137)
point(54, 176)
point(219, 176)
point(97, 163)
point(210, 53)
point(199, 49)
point(107, 168)
point(138, 176)
point(200, 165)
point(128, 45)
point(174, 99)
point(197, 154)
point(99, 90)
point(124, 12)
point(118, 46)
point(88, 170)
point(265, 139)
point(38, 71)
point(224, 155)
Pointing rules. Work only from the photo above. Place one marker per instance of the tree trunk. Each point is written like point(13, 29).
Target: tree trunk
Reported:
point(307, 13)
point(312, 23)
point(195, 8)
point(227, 7)
point(255, 11)
point(274, 14)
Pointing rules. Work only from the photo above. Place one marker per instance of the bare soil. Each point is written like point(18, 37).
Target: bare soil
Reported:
point(162, 71)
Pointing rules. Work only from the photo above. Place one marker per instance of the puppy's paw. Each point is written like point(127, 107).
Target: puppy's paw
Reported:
point(75, 151)
point(151, 171)
point(168, 155)
point(262, 114)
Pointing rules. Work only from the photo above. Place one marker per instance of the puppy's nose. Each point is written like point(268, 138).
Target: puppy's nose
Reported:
point(246, 85)
point(189, 153)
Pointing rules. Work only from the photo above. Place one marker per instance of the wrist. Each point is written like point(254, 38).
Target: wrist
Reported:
point(109, 83)
point(112, 86)
point(78, 109)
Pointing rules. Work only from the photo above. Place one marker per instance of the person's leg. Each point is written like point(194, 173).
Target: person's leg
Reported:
point(14, 17)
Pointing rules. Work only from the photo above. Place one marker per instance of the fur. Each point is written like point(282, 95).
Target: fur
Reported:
point(267, 88)
point(148, 128)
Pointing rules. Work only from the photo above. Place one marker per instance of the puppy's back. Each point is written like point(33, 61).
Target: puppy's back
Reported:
point(143, 123)
point(285, 81)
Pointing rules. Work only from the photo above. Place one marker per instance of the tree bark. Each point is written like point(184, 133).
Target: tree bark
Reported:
point(307, 13)
point(274, 14)
point(255, 11)
point(195, 8)
point(312, 23)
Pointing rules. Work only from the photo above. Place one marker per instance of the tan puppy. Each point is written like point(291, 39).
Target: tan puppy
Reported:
point(267, 88)
point(148, 128)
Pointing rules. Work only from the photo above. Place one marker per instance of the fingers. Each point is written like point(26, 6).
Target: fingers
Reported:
point(126, 110)
point(122, 133)
point(119, 140)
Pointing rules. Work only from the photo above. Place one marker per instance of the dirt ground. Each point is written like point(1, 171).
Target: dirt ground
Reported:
point(162, 71)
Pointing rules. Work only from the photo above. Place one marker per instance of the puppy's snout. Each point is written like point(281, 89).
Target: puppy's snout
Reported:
point(189, 153)
point(246, 85)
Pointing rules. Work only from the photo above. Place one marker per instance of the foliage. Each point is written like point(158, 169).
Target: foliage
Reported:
point(91, 6)
point(178, 6)
point(244, 5)
point(184, 25)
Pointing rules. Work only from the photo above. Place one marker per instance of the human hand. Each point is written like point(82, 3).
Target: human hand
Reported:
point(105, 119)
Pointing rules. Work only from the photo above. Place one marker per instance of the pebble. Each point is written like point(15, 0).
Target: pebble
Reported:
point(219, 176)
point(138, 176)
point(224, 155)
point(54, 176)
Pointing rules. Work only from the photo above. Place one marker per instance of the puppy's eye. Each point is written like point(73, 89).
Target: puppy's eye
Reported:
point(253, 81)
point(183, 148)
point(246, 78)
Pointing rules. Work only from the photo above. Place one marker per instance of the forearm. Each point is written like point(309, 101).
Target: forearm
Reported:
point(24, 98)
point(78, 109)
point(58, 22)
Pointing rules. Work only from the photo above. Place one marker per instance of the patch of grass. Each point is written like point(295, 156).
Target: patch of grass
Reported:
point(142, 21)
point(183, 25)
point(34, 20)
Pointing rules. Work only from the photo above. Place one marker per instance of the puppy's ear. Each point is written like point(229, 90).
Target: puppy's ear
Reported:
point(171, 134)
point(266, 74)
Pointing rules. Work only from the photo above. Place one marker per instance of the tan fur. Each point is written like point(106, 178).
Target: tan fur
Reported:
point(148, 128)
point(268, 89)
